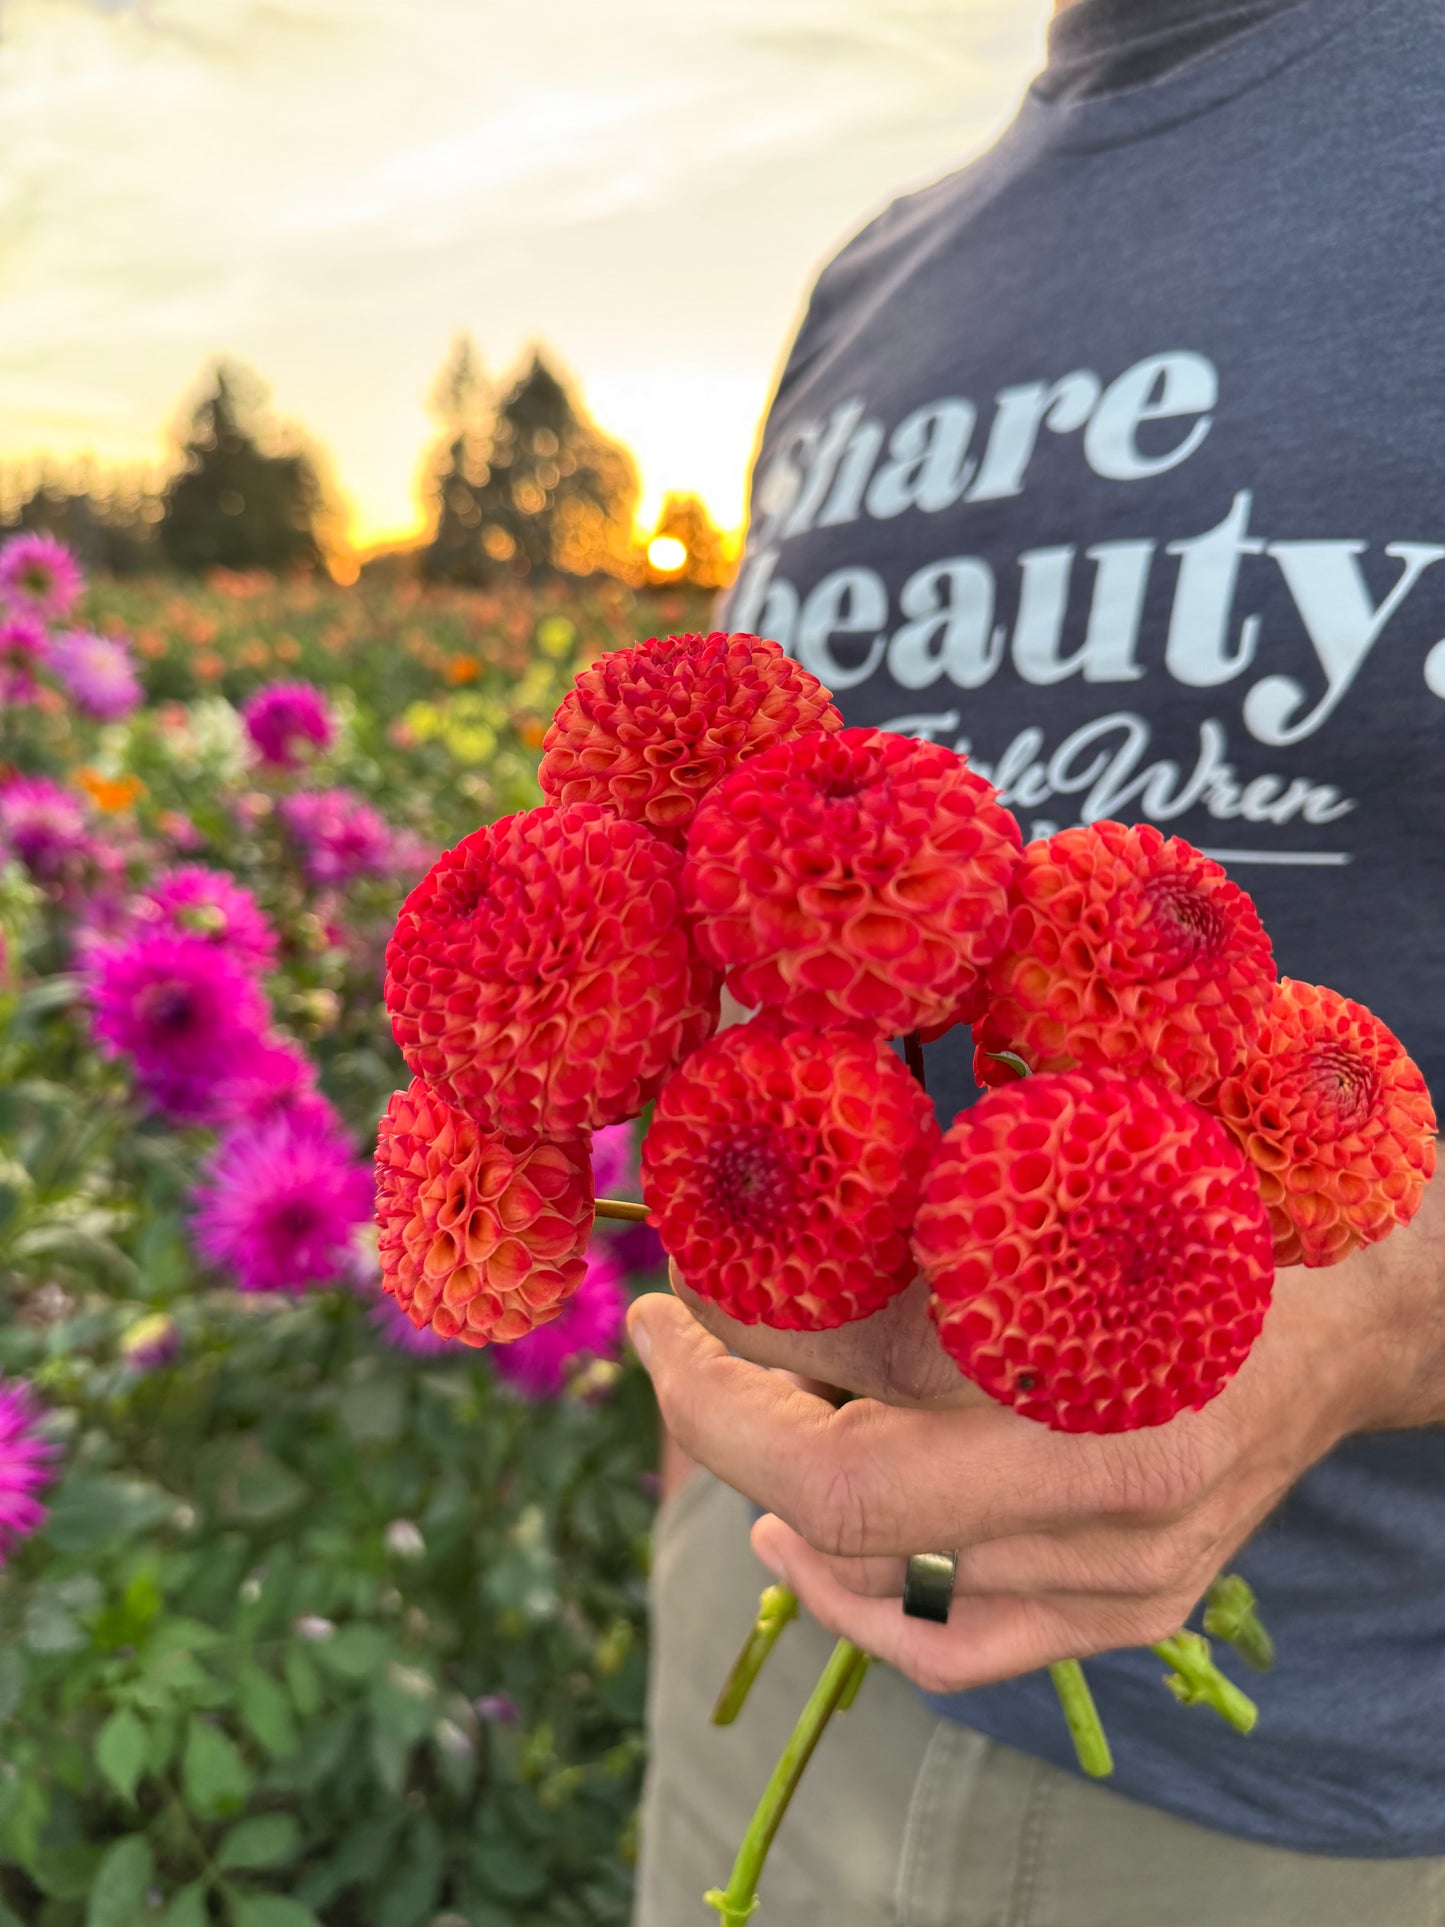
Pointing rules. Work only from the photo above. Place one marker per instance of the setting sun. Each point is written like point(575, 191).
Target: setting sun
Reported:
point(666, 554)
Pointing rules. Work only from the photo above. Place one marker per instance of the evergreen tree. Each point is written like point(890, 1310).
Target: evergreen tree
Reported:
point(458, 470)
point(234, 503)
point(548, 494)
point(685, 518)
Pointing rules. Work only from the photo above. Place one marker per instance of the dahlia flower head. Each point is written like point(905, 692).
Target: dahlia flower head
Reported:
point(482, 1235)
point(541, 976)
point(589, 1325)
point(287, 721)
point(46, 828)
point(1130, 951)
point(1335, 1119)
point(1097, 1248)
point(185, 1013)
point(96, 673)
point(191, 899)
point(339, 836)
point(648, 731)
point(279, 1202)
point(23, 652)
point(275, 1078)
point(27, 1461)
point(39, 576)
point(859, 878)
point(783, 1168)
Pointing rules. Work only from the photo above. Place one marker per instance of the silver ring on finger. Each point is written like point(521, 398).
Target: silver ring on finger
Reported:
point(928, 1585)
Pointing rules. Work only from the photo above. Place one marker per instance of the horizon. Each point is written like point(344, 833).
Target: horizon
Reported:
point(546, 178)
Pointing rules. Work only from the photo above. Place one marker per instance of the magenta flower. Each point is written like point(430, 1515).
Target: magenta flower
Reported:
point(614, 1161)
point(186, 1013)
point(151, 1343)
point(48, 830)
point(279, 1204)
point(403, 1336)
point(192, 900)
point(339, 836)
point(39, 576)
point(22, 651)
point(275, 1079)
point(285, 720)
point(26, 1466)
point(97, 674)
point(588, 1325)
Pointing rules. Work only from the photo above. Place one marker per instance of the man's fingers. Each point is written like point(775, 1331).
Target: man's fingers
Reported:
point(988, 1637)
point(871, 1478)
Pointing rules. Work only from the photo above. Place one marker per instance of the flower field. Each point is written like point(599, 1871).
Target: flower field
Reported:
point(305, 1616)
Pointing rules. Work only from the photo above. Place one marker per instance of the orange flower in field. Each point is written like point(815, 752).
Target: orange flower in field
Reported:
point(858, 878)
point(462, 669)
point(541, 976)
point(110, 793)
point(533, 733)
point(1126, 950)
point(1098, 1250)
point(208, 665)
point(782, 1168)
point(649, 730)
point(481, 1236)
point(1336, 1120)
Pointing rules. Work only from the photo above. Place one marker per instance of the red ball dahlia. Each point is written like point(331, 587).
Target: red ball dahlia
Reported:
point(541, 976)
point(649, 730)
point(1337, 1122)
point(1126, 950)
point(782, 1168)
point(480, 1236)
point(1098, 1251)
point(858, 879)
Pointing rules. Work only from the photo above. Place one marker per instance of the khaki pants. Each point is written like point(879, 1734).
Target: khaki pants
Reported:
point(904, 1820)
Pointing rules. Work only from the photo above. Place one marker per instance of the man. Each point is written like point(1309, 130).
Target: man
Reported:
point(1116, 461)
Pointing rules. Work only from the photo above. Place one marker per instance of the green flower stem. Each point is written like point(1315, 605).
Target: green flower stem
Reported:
point(1195, 1680)
point(621, 1208)
point(739, 1901)
point(1091, 1743)
point(855, 1680)
point(776, 1607)
point(1229, 1614)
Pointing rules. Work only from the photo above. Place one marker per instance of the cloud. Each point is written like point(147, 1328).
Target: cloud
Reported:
point(330, 188)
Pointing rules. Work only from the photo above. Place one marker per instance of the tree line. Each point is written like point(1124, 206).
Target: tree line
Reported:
point(521, 484)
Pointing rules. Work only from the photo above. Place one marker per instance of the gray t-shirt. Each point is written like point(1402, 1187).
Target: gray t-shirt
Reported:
point(1118, 460)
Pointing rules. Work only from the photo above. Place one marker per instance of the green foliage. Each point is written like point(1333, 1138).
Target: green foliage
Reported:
point(256, 1669)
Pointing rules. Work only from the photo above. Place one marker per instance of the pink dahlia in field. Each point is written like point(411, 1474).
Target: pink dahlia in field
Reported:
point(275, 1078)
point(339, 837)
point(22, 651)
point(44, 827)
point(192, 900)
point(26, 1463)
point(97, 674)
point(614, 1161)
point(39, 576)
point(286, 721)
point(589, 1325)
point(184, 1012)
point(279, 1203)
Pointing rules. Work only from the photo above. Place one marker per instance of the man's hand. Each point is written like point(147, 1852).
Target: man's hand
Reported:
point(1069, 1545)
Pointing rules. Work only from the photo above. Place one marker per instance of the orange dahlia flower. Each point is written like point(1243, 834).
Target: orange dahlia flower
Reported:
point(649, 730)
point(541, 976)
point(1336, 1120)
point(1099, 1253)
point(481, 1236)
point(858, 879)
point(782, 1168)
point(1126, 950)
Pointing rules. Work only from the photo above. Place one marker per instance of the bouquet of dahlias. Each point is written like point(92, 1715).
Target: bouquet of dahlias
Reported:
point(1163, 1123)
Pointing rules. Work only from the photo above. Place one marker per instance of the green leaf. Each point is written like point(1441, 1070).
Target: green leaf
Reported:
point(216, 1779)
point(263, 1491)
point(76, 1249)
point(121, 1881)
point(373, 1412)
point(91, 1512)
point(188, 1908)
point(304, 1681)
point(269, 1910)
point(356, 1652)
point(121, 1750)
point(12, 1680)
point(266, 1713)
point(270, 1840)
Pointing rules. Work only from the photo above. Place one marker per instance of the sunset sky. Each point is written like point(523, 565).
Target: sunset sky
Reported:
point(330, 189)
